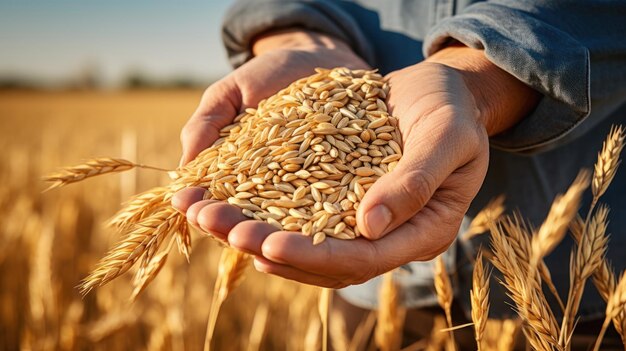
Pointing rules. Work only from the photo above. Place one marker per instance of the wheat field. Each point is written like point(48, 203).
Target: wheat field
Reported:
point(51, 240)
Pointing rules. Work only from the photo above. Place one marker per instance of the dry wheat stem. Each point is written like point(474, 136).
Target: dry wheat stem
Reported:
point(323, 308)
point(445, 294)
point(388, 334)
point(92, 168)
point(230, 271)
point(479, 298)
point(588, 257)
point(614, 307)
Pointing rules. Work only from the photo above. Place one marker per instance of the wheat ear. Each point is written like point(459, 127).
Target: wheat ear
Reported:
point(563, 211)
point(388, 334)
point(90, 169)
point(490, 213)
point(230, 271)
point(142, 240)
point(519, 238)
point(541, 328)
point(445, 295)
point(589, 255)
point(607, 163)
point(614, 307)
point(479, 298)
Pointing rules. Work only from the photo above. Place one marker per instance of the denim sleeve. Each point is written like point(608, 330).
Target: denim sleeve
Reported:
point(249, 18)
point(572, 52)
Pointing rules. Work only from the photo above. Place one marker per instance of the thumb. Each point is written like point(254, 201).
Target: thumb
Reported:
point(397, 196)
point(219, 105)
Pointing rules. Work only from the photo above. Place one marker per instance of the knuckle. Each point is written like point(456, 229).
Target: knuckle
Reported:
point(418, 186)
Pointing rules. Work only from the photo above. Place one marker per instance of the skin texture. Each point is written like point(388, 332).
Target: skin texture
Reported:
point(447, 106)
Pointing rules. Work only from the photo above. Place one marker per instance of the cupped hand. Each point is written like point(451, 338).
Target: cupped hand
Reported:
point(412, 213)
point(281, 59)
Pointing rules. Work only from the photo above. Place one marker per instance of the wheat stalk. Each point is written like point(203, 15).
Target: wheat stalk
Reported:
point(323, 308)
point(230, 271)
point(490, 213)
point(607, 163)
point(92, 168)
point(479, 298)
point(388, 334)
point(142, 240)
point(615, 306)
point(589, 255)
point(445, 295)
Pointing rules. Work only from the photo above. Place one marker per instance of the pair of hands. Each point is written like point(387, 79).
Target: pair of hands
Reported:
point(447, 107)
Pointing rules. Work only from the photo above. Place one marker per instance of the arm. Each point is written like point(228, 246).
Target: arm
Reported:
point(572, 52)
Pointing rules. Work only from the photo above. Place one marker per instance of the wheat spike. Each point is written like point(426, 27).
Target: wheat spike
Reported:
point(541, 328)
point(139, 207)
point(490, 213)
point(445, 295)
point(144, 239)
point(608, 162)
point(506, 340)
point(519, 238)
point(479, 298)
point(91, 168)
point(230, 271)
point(615, 306)
point(146, 275)
point(588, 257)
point(563, 210)
point(388, 334)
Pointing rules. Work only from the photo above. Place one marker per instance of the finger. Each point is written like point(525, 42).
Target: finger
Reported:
point(219, 106)
point(218, 218)
point(333, 257)
point(248, 236)
point(184, 198)
point(429, 157)
point(423, 237)
point(266, 266)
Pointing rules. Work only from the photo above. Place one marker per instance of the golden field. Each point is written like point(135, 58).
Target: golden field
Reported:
point(50, 241)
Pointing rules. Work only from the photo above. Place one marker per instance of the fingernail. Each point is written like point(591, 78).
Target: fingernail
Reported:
point(377, 220)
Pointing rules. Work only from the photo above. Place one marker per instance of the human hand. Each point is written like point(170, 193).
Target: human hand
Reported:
point(280, 58)
point(445, 125)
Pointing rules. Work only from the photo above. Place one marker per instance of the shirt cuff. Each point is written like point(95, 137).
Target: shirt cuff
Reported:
point(249, 18)
point(535, 52)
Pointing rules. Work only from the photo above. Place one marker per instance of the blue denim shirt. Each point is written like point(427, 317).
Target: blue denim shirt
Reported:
point(572, 52)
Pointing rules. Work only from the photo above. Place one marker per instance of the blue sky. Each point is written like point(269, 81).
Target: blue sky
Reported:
point(54, 40)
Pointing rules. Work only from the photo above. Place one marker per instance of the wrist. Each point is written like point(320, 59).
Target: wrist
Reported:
point(502, 100)
point(295, 39)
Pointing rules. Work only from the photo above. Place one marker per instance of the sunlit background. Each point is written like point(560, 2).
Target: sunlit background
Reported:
point(110, 44)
